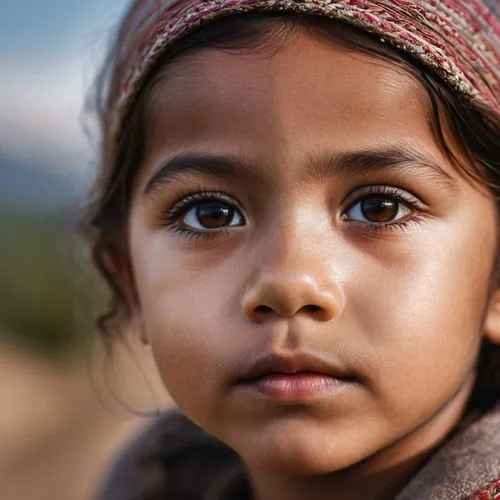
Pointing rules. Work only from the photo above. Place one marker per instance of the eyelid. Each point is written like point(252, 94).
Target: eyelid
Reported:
point(403, 195)
point(189, 200)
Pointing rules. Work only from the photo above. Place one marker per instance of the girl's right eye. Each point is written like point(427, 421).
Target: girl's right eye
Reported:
point(212, 215)
point(204, 213)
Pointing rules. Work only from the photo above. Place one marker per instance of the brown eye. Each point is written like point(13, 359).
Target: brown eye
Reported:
point(212, 215)
point(377, 210)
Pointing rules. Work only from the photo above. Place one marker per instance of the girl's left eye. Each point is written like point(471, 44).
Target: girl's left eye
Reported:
point(211, 215)
point(378, 209)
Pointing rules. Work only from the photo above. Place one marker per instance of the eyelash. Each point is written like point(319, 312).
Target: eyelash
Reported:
point(416, 207)
point(190, 200)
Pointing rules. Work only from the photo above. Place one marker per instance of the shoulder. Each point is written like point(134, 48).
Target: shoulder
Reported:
point(164, 458)
point(466, 467)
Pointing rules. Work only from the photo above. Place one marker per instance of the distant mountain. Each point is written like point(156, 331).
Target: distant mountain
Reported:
point(28, 186)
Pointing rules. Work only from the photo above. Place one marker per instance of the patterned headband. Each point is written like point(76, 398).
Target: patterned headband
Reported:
point(459, 40)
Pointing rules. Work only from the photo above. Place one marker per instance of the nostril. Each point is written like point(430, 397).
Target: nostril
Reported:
point(311, 308)
point(263, 310)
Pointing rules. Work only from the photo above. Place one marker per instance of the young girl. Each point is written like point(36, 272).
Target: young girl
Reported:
point(298, 212)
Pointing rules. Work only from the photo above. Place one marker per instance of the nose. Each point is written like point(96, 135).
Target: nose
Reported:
point(296, 284)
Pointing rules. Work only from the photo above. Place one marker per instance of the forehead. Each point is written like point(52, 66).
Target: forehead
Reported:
point(305, 94)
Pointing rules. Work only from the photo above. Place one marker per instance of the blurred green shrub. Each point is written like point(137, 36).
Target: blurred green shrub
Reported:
point(48, 290)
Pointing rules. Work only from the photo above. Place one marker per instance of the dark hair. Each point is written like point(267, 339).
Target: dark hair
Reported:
point(476, 128)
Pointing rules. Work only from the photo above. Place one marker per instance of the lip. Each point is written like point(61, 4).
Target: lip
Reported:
point(297, 378)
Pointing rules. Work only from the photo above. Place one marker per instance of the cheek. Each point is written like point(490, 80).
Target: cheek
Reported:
point(422, 311)
point(186, 352)
point(183, 309)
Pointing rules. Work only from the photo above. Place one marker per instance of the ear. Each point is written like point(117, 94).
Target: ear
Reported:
point(125, 276)
point(492, 320)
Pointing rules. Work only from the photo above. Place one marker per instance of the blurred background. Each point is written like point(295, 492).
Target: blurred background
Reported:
point(63, 400)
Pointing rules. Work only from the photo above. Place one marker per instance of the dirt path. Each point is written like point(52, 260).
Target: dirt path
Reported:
point(56, 437)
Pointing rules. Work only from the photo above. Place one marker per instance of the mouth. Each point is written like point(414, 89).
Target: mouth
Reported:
point(295, 379)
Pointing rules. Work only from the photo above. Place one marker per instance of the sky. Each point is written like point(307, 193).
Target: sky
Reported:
point(49, 52)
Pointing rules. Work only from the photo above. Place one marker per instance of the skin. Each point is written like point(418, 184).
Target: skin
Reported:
point(389, 303)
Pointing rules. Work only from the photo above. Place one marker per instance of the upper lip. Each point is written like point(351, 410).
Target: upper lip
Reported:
point(294, 363)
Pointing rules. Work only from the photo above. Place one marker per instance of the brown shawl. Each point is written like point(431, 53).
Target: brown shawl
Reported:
point(175, 460)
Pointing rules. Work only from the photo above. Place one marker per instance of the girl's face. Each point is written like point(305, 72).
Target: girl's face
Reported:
point(295, 213)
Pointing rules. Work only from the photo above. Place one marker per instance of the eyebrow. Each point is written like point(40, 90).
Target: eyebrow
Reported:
point(402, 159)
point(184, 164)
point(321, 168)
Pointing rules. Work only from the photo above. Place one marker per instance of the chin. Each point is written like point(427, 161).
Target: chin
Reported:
point(289, 462)
point(300, 454)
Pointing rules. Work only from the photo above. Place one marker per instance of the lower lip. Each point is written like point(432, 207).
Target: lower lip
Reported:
point(296, 387)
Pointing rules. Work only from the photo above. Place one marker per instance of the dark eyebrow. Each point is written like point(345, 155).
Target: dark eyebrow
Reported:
point(320, 168)
point(402, 159)
point(184, 164)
